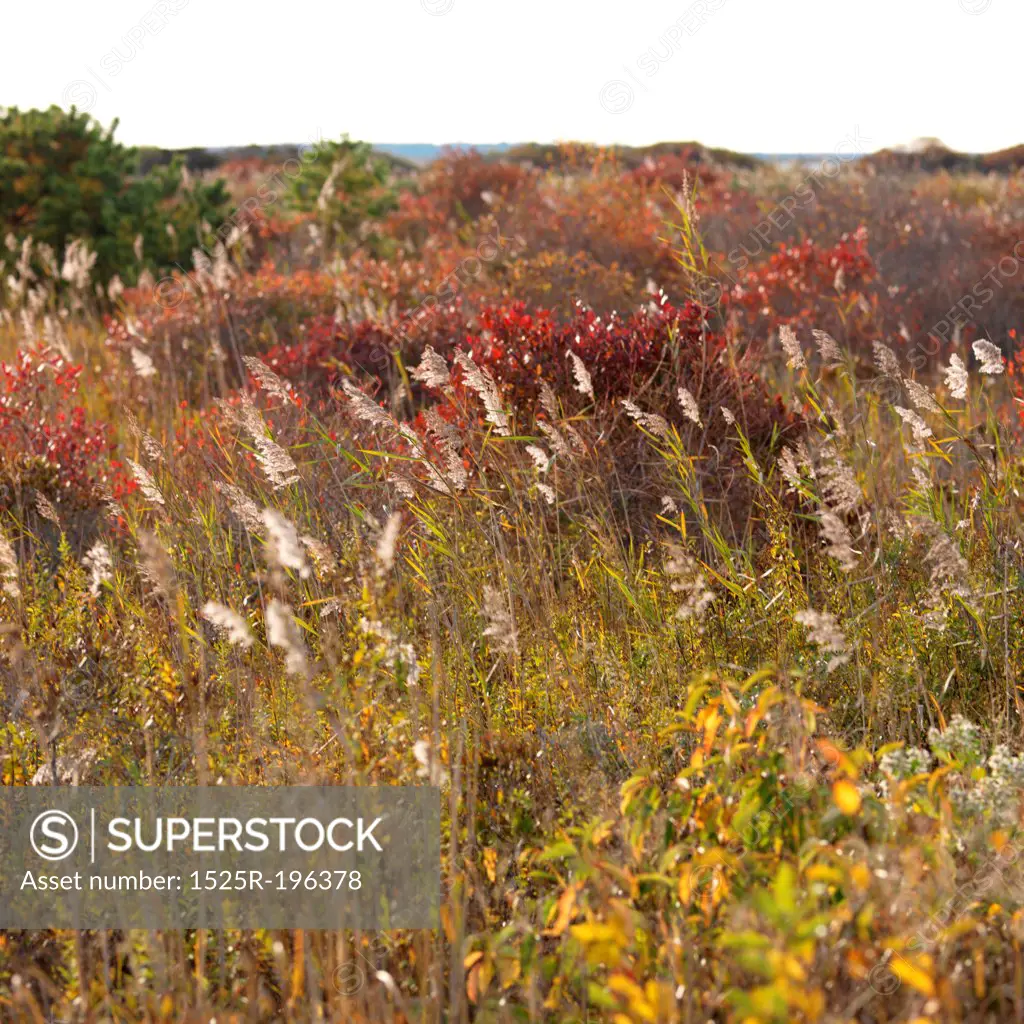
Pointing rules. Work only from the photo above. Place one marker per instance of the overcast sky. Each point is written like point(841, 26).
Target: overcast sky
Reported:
point(752, 75)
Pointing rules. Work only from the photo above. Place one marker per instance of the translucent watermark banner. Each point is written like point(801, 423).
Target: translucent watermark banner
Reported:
point(220, 857)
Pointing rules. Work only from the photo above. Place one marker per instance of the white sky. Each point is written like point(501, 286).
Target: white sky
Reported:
point(752, 75)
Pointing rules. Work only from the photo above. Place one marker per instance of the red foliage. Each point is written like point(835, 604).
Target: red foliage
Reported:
point(788, 287)
point(46, 439)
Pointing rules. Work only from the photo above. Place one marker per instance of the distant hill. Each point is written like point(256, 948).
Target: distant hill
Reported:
point(931, 155)
point(924, 155)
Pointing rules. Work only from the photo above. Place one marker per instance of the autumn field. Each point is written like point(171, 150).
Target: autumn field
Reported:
point(663, 509)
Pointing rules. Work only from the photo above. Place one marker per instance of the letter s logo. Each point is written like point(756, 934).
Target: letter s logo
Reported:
point(54, 835)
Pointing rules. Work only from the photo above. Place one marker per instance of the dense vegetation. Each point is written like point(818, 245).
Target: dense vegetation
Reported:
point(64, 178)
point(676, 538)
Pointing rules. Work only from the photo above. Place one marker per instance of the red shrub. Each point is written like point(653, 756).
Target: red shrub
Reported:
point(47, 441)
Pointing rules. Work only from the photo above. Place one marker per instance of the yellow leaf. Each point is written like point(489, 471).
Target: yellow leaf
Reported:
point(846, 796)
point(490, 862)
point(913, 975)
point(563, 911)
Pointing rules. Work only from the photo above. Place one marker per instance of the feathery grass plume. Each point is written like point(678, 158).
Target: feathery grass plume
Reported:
point(283, 633)
point(791, 346)
point(149, 443)
point(990, 356)
point(323, 559)
point(247, 511)
point(885, 361)
point(430, 767)
point(894, 522)
point(155, 564)
point(100, 565)
point(146, 483)
point(839, 486)
point(728, 416)
point(541, 459)
point(549, 403)
point(45, 508)
point(548, 492)
point(835, 415)
point(687, 579)
point(500, 625)
point(584, 385)
point(669, 506)
point(268, 380)
point(385, 549)
point(8, 569)
point(448, 442)
point(78, 264)
point(486, 389)
point(949, 572)
point(276, 463)
point(956, 377)
point(689, 405)
point(283, 543)
point(826, 635)
point(399, 655)
point(144, 365)
point(650, 421)
point(921, 398)
point(788, 468)
point(432, 371)
point(224, 618)
point(434, 478)
point(920, 429)
point(828, 348)
point(838, 542)
point(555, 438)
point(365, 408)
